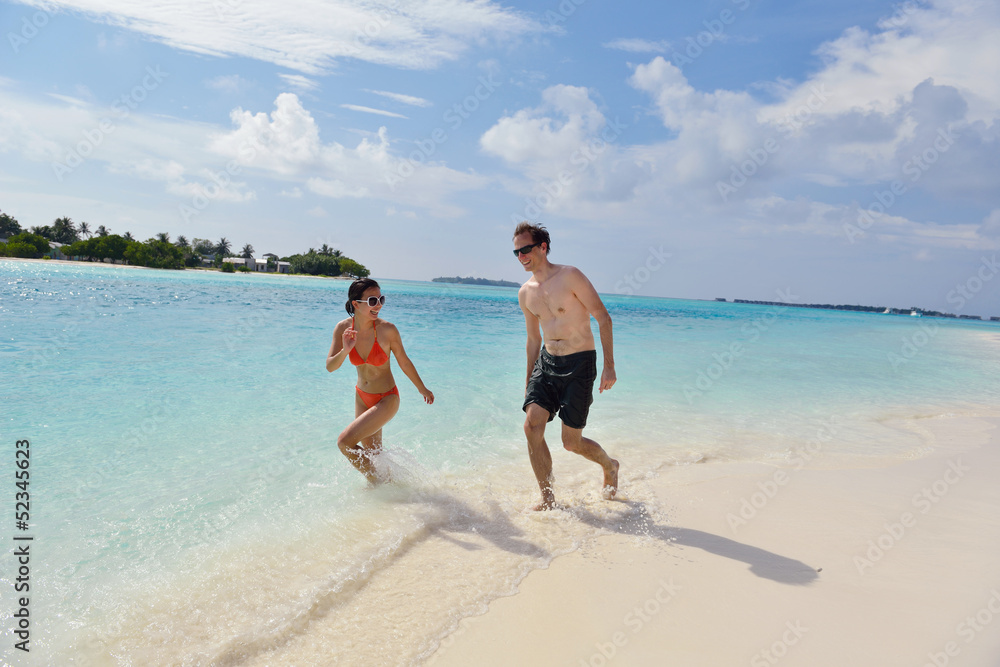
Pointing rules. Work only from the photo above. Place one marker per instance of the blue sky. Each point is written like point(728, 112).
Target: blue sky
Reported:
point(838, 152)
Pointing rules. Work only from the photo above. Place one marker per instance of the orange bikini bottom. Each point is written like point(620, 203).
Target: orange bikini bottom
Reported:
point(371, 400)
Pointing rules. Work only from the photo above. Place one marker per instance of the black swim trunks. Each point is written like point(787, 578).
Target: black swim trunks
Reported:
point(565, 385)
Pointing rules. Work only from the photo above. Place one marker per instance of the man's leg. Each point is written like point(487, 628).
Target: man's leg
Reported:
point(536, 417)
point(574, 441)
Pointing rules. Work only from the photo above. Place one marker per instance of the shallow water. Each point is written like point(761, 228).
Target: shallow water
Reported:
point(190, 505)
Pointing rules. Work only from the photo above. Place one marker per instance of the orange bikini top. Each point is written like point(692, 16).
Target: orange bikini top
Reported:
point(376, 357)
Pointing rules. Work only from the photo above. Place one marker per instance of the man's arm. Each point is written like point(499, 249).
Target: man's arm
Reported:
point(534, 345)
point(588, 296)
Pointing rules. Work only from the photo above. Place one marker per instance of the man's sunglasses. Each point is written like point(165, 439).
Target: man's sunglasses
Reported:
point(372, 301)
point(525, 249)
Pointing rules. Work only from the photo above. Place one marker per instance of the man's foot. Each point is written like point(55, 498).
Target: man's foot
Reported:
point(610, 481)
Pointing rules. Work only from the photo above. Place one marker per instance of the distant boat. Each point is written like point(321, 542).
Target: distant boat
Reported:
point(914, 313)
point(886, 311)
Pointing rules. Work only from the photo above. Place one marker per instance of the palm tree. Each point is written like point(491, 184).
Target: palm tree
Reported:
point(64, 231)
point(325, 250)
point(84, 230)
point(9, 226)
point(247, 251)
point(102, 231)
point(163, 236)
point(182, 243)
point(223, 247)
point(128, 236)
point(336, 254)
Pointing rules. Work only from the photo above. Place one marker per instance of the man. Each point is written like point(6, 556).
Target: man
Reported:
point(562, 367)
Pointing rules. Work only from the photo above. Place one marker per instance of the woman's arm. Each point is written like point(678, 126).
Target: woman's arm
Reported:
point(405, 365)
point(344, 339)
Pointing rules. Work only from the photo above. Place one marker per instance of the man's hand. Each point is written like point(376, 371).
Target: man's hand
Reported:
point(608, 379)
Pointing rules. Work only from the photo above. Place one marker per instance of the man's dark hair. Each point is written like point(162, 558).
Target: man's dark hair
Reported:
point(538, 234)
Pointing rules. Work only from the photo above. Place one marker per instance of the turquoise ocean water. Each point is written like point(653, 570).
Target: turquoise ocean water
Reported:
point(189, 504)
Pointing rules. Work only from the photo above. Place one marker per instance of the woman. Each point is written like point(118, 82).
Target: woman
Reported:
point(367, 340)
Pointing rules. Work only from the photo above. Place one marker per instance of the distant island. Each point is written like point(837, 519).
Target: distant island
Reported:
point(865, 309)
point(65, 240)
point(476, 281)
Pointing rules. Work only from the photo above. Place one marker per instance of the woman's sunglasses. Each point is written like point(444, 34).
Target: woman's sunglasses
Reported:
point(525, 249)
point(372, 301)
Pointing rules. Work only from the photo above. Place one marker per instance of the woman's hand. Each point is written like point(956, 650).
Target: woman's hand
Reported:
point(350, 339)
point(428, 395)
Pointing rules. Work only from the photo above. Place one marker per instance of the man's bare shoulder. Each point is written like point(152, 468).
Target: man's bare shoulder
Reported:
point(570, 270)
point(522, 296)
point(571, 274)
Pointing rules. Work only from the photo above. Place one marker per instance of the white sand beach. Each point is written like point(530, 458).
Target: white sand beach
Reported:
point(886, 566)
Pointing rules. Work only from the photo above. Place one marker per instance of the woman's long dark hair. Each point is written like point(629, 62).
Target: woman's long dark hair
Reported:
point(356, 290)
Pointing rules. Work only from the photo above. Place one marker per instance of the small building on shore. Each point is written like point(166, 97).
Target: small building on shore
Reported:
point(55, 251)
point(240, 261)
point(270, 262)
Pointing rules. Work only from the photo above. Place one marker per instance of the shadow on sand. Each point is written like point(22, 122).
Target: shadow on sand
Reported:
point(452, 517)
point(637, 521)
point(455, 518)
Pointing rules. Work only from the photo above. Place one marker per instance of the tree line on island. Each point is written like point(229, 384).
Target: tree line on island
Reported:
point(913, 310)
point(159, 252)
point(468, 280)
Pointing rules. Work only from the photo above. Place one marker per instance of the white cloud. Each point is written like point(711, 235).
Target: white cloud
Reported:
point(991, 225)
point(399, 97)
point(635, 45)
point(117, 42)
point(25, 126)
point(69, 135)
point(569, 153)
point(188, 157)
point(232, 83)
point(838, 128)
point(391, 211)
point(311, 35)
point(287, 143)
point(205, 183)
point(335, 188)
point(952, 42)
point(379, 112)
point(150, 169)
point(774, 215)
point(728, 115)
point(300, 83)
point(75, 101)
point(317, 212)
point(531, 135)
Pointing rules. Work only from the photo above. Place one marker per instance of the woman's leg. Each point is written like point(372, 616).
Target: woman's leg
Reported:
point(362, 439)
